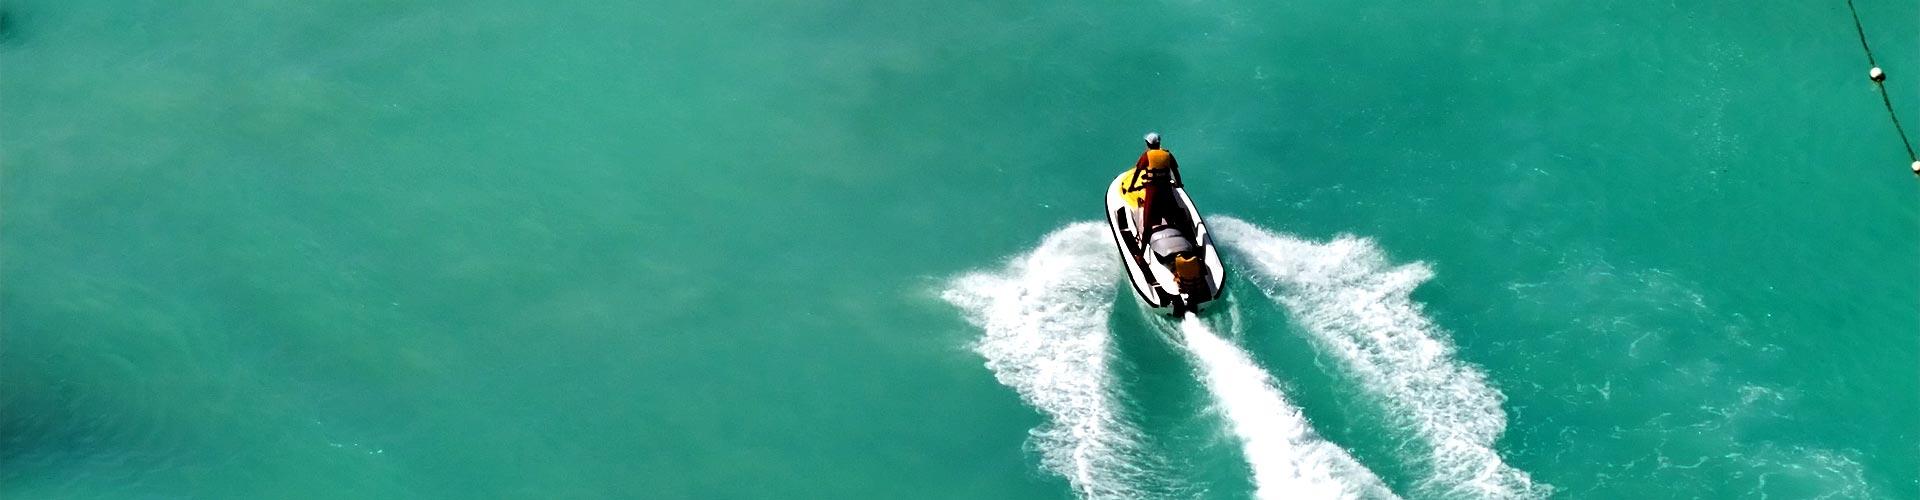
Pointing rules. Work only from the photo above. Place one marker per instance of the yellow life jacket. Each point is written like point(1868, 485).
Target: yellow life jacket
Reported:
point(1159, 160)
point(1159, 165)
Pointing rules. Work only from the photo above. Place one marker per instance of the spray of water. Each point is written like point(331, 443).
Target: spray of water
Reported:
point(1288, 460)
point(1356, 305)
point(1045, 334)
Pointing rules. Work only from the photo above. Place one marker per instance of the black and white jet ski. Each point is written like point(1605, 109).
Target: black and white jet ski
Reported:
point(1176, 270)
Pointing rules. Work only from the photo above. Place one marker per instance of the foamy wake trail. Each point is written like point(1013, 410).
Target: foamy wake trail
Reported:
point(1045, 335)
point(1357, 305)
point(1287, 458)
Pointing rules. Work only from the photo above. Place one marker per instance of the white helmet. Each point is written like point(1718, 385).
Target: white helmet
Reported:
point(1153, 139)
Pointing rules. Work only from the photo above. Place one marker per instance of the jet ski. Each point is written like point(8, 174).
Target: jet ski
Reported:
point(1175, 269)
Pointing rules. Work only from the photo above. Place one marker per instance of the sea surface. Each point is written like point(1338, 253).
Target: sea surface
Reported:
point(851, 249)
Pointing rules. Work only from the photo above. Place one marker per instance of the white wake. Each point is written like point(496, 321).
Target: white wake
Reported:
point(1357, 305)
point(1287, 458)
point(1045, 319)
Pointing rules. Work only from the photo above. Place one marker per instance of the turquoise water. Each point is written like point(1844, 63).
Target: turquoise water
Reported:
point(488, 249)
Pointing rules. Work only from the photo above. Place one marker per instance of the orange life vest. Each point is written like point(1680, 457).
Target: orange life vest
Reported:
point(1159, 160)
point(1158, 168)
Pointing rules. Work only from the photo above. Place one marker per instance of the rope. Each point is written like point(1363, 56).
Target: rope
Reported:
point(1881, 86)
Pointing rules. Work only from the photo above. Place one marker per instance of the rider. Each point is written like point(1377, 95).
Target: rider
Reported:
point(1159, 172)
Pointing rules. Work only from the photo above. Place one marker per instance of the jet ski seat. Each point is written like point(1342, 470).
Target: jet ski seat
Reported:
point(1168, 241)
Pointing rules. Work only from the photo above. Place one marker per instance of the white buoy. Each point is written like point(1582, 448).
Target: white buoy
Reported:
point(1916, 167)
point(1876, 74)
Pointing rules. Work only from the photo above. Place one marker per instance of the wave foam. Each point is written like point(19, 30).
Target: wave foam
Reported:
point(1045, 335)
point(1287, 459)
point(1356, 304)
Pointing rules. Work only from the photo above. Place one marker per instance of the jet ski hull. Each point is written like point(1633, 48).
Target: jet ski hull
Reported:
point(1152, 279)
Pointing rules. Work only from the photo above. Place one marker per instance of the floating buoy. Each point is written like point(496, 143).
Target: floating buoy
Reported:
point(1916, 167)
point(1876, 74)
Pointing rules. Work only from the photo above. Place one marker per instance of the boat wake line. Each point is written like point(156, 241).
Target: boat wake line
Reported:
point(1044, 319)
point(1045, 333)
point(1352, 302)
point(1287, 458)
